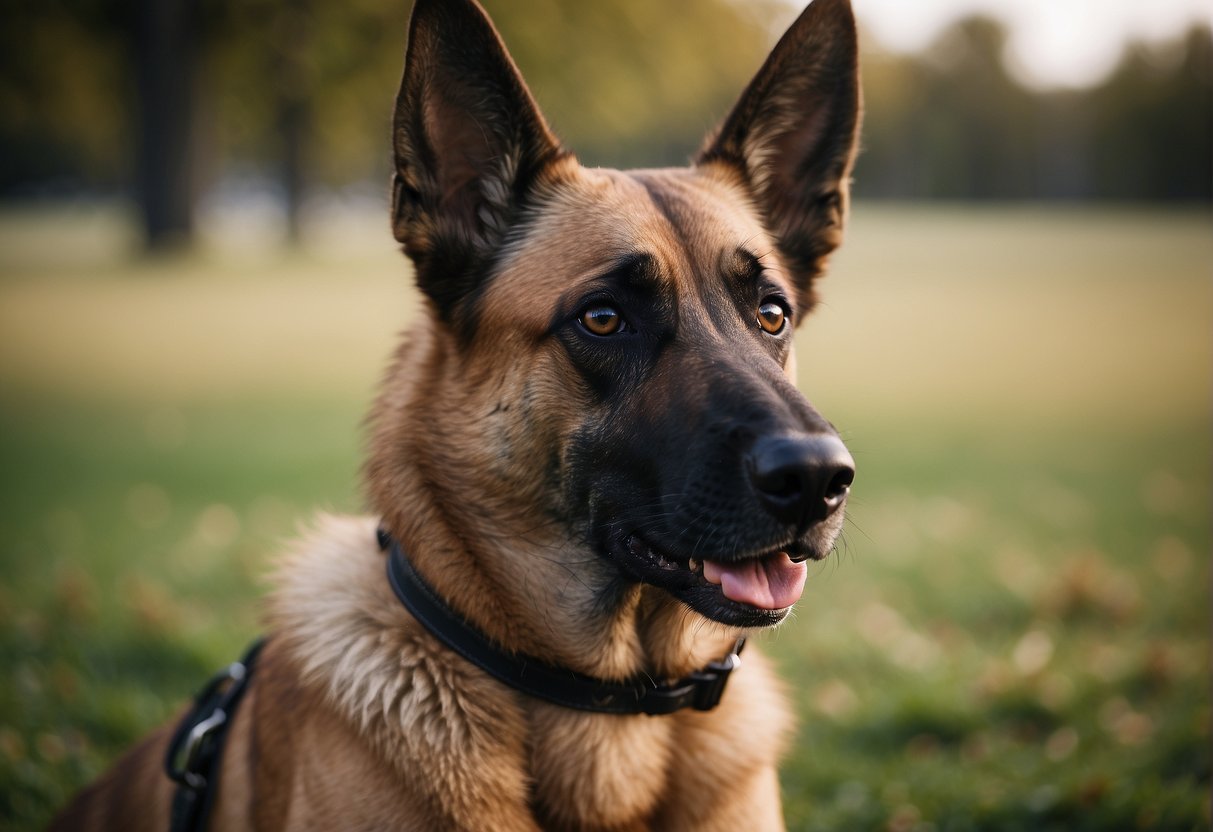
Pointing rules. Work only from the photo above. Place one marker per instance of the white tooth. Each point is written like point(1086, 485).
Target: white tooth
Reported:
point(693, 565)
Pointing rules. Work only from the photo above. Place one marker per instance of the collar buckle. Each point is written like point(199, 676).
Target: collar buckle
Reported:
point(710, 682)
point(700, 690)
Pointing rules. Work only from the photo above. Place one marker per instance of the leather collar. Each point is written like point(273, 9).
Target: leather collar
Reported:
point(701, 690)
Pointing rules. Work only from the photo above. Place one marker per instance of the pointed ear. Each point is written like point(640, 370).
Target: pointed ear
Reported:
point(469, 143)
point(792, 136)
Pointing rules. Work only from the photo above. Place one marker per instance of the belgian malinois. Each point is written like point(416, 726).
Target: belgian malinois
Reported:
point(590, 450)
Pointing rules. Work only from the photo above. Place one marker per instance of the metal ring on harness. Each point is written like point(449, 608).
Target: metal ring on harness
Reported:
point(196, 748)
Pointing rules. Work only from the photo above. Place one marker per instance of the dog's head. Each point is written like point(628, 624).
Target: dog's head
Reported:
point(610, 353)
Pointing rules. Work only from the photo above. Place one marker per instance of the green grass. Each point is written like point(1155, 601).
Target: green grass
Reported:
point(1014, 634)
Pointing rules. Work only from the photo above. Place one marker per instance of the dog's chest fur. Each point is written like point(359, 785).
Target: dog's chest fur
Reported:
point(416, 704)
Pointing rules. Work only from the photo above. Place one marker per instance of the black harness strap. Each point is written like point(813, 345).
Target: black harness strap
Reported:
point(196, 748)
point(700, 690)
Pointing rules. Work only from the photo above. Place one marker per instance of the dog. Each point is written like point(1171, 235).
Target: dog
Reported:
point(591, 458)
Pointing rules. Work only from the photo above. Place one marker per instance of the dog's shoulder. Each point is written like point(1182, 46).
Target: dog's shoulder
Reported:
point(339, 622)
point(331, 567)
point(349, 638)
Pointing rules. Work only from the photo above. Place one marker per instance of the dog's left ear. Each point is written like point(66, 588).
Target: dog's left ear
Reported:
point(793, 135)
point(469, 144)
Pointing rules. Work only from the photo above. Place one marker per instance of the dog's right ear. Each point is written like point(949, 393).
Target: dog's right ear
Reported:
point(469, 142)
point(792, 138)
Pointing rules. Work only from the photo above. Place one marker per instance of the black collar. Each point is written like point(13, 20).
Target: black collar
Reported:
point(700, 690)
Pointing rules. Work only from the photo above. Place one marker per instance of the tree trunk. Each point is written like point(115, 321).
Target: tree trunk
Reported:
point(294, 87)
point(166, 56)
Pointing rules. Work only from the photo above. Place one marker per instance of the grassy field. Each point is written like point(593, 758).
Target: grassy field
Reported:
point(1014, 634)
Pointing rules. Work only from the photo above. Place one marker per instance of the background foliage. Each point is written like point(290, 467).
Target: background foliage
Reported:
point(624, 82)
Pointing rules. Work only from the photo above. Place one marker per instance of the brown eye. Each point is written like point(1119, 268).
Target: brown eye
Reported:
point(771, 317)
point(601, 320)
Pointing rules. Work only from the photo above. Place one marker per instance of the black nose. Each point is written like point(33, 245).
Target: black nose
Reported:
point(801, 478)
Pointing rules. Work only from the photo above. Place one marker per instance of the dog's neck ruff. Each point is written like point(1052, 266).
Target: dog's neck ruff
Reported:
point(700, 690)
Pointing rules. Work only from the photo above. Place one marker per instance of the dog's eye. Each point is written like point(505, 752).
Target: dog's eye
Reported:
point(771, 317)
point(602, 320)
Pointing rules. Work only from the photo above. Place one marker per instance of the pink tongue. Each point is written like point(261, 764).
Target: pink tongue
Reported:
point(768, 584)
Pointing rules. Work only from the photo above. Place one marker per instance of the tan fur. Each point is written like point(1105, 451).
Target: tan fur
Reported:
point(357, 718)
point(362, 721)
point(485, 746)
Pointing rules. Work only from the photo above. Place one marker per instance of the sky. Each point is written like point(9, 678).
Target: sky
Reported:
point(1053, 43)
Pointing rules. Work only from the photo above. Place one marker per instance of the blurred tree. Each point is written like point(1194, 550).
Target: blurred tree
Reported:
point(299, 93)
point(621, 81)
point(979, 131)
point(633, 82)
point(949, 123)
point(65, 102)
point(952, 123)
point(1153, 123)
point(166, 50)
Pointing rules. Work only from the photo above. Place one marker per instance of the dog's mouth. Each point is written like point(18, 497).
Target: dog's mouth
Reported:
point(753, 591)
